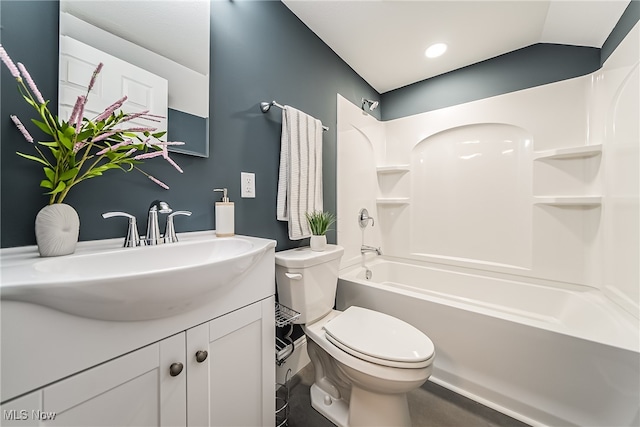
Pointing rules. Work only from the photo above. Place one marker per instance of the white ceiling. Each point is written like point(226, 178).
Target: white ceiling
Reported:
point(384, 40)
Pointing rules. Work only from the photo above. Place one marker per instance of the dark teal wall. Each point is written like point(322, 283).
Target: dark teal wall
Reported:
point(260, 51)
point(531, 66)
point(535, 65)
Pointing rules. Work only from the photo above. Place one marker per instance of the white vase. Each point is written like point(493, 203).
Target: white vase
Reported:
point(318, 243)
point(57, 228)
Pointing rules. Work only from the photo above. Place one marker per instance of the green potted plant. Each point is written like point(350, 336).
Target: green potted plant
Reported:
point(79, 149)
point(319, 223)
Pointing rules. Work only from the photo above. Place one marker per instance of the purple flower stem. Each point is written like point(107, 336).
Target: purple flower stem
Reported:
point(31, 83)
point(22, 129)
point(110, 109)
point(4, 56)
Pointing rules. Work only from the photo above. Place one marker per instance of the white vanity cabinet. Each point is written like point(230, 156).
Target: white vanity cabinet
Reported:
point(136, 389)
point(213, 365)
point(234, 385)
point(219, 373)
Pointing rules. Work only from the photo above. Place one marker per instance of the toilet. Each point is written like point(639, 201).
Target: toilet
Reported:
point(365, 362)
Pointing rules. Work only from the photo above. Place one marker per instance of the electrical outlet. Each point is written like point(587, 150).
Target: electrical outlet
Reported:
point(248, 185)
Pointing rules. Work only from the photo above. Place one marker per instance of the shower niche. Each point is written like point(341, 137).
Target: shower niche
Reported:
point(392, 185)
point(568, 177)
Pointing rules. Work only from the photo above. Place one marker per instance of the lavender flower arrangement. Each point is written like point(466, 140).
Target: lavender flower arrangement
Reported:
point(83, 148)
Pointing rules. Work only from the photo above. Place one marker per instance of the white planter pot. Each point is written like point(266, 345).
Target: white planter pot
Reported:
point(318, 243)
point(57, 227)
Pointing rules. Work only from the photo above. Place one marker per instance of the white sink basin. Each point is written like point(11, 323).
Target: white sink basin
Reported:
point(102, 281)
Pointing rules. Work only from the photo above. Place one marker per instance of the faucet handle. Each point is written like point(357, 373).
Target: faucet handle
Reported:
point(133, 238)
point(364, 218)
point(170, 230)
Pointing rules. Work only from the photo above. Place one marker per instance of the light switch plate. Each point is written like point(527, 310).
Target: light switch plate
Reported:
point(248, 185)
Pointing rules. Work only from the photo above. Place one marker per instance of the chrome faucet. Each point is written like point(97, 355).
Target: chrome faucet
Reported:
point(153, 236)
point(170, 230)
point(364, 249)
point(133, 238)
point(364, 218)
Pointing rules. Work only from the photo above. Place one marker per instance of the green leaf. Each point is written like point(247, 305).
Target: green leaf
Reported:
point(46, 184)
point(65, 141)
point(55, 152)
point(30, 102)
point(43, 126)
point(61, 186)
point(319, 221)
point(70, 174)
point(50, 173)
point(34, 158)
point(82, 136)
point(49, 143)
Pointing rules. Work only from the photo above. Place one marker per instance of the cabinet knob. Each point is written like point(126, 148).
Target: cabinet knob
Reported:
point(175, 369)
point(201, 355)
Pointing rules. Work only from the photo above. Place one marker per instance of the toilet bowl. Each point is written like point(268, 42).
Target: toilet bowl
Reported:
point(365, 362)
point(373, 392)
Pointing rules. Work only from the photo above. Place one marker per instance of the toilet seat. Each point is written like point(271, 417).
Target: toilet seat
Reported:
point(379, 338)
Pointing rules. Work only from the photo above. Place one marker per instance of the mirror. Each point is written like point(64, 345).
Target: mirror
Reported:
point(167, 38)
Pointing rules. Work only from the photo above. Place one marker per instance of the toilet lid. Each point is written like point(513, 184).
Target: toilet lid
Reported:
point(379, 338)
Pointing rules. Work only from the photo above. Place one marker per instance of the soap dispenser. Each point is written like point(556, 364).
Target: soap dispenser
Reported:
point(225, 223)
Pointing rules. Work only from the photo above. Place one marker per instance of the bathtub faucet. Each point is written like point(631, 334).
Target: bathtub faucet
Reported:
point(364, 249)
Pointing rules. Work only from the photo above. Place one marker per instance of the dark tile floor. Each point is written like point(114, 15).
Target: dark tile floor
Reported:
point(431, 405)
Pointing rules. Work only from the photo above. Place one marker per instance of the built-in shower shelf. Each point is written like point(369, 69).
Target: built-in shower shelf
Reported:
point(587, 201)
point(582, 152)
point(392, 200)
point(384, 170)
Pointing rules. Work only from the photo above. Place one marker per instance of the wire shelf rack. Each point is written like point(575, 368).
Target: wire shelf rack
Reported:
point(285, 315)
point(282, 401)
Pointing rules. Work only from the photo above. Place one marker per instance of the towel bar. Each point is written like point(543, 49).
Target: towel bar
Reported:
point(265, 106)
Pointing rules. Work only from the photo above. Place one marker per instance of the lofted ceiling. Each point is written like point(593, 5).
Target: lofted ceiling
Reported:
point(384, 40)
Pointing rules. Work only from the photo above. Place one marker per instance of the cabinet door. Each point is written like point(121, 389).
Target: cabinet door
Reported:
point(198, 387)
point(241, 367)
point(136, 389)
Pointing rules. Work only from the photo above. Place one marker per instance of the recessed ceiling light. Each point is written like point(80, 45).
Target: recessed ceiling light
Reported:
point(435, 50)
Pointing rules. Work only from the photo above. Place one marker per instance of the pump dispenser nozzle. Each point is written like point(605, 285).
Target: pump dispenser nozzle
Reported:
point(225, 199)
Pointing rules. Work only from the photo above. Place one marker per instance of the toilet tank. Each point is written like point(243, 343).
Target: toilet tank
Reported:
point(307, 280)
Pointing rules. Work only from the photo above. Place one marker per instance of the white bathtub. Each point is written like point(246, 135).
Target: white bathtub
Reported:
point(544, 355)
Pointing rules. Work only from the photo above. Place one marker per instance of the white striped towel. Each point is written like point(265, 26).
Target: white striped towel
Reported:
point(300, 175)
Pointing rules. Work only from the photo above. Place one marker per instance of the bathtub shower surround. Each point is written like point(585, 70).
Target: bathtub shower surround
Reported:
point(534, 191)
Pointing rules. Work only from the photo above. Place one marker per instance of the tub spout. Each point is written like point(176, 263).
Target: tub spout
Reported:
point(364, 249)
